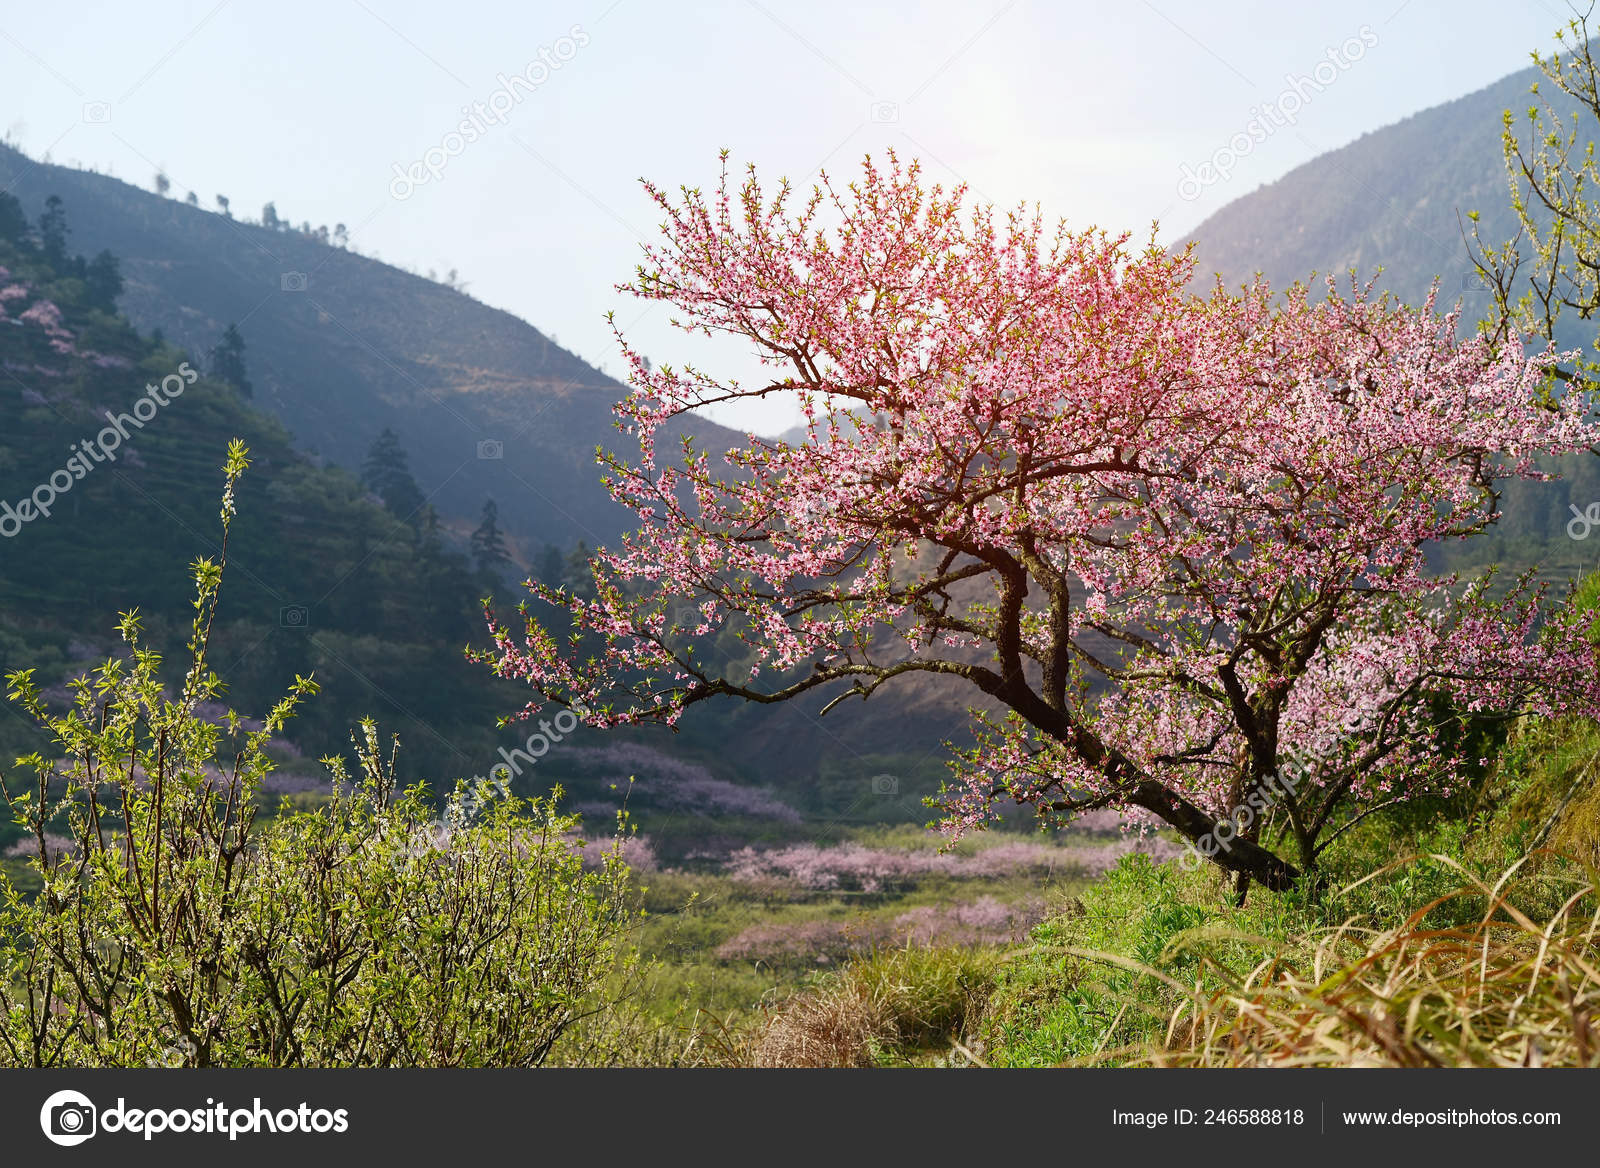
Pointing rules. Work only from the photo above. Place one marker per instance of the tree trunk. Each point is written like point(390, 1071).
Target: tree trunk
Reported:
point(1235, 853)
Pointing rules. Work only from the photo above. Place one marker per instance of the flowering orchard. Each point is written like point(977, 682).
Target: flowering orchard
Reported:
point(1171, 538)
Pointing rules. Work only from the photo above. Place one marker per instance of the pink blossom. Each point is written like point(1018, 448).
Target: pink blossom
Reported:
point(1176, 541)
point(636, 851)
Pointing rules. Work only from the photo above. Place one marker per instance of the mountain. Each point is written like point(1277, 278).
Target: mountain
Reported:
point(111, 445)
point(1398, 197)
point(1395, 197)
point(323, 578)
point(340, 346)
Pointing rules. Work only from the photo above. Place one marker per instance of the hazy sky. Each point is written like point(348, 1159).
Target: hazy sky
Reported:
point(1090, 109)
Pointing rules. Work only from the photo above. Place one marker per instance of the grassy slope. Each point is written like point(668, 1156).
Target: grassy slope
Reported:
point(1053, 1007)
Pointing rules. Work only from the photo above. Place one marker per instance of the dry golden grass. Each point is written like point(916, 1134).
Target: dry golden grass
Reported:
point(889, 1007)
point(839, 1027)
point(1514, 989)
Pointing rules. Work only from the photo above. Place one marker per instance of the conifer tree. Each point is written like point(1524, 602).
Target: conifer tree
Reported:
point(103, 281)
point(387, 473)
point(227, 360)
point(53, 231)
point(488, 543)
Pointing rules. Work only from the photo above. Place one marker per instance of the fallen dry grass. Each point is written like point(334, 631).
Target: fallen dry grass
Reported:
point(1514, 989)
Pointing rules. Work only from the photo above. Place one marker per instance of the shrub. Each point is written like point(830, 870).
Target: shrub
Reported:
point(362, 931)
point(985, 921)
point(857, 867)
point(676, 785)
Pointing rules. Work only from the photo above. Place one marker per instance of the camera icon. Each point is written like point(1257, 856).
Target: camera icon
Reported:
point(176, 1055)
point(885, 785)
point(814, 510)
point(491, 448)
point(294, 616)
point(1474, 281)
point(68, 1118)
point(97, 112)
point(292, 281)
point(884, 112)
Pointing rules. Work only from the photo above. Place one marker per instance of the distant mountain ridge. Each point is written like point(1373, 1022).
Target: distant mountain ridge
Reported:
point(340, 345)
point(1396, 197)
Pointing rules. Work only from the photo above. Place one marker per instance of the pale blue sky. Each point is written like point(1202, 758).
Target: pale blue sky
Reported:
point(1090, 109)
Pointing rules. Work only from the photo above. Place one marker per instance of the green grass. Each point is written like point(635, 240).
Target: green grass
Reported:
point(691, 914)
point(1055, 1004)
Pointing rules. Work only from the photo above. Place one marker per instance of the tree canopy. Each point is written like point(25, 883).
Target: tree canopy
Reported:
point(1174, 542)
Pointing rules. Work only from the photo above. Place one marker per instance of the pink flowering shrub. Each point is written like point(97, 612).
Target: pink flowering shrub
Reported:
point(986, 921)
point(55, 845)
point(44, 314)
point(817, 941)
point(1102, 820)
point(637, 852)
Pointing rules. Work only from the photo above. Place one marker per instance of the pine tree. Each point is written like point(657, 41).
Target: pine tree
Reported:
point(103, 281)
point(430, 542)
point(227, 361)
point(489, 545)
point(447, 587)
point(53, 231)
point(387, 473)
point(577, 575)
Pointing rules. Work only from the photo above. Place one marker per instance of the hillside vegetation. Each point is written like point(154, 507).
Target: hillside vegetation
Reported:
point(342, 345)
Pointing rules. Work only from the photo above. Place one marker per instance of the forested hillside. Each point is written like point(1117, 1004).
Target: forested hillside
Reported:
point(342, 346)
point(102, 514)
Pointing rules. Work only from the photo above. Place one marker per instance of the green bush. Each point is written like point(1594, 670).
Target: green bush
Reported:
point(173, 925)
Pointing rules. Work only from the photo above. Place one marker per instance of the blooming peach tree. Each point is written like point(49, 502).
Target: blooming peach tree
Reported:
point(1173, 541)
